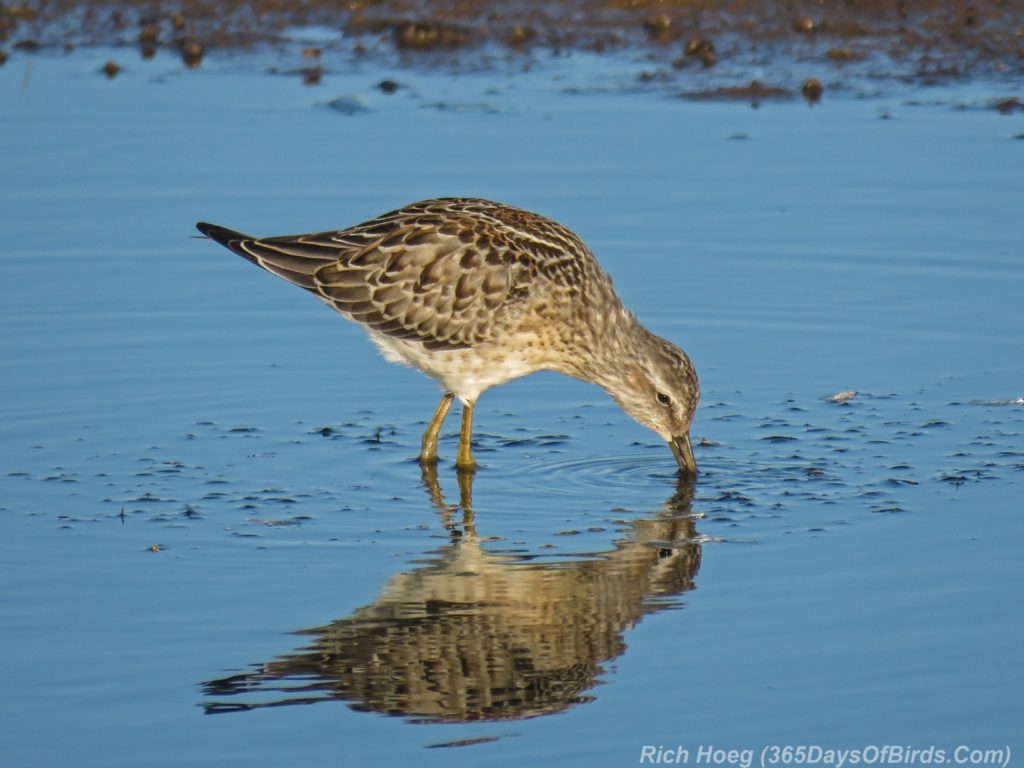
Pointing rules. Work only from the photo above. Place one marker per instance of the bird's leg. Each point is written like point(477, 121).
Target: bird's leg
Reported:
point(428, 453)
point(465, 461)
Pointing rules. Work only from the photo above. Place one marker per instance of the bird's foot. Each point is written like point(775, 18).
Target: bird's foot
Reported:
point(466, 466)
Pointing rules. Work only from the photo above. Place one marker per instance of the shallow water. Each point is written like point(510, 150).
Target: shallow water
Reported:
point(199, 462)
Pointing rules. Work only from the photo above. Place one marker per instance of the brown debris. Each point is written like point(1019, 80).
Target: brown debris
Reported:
point(148, 33)
point(110, 69)
point(419, 35)
point(960, 39)
point(843, 54)
point(22, 12)
point(812, 90)
point(191, 52)
point(659, 28)
point(755, 92)
point(804, 25)
point(520, 35)
point(148, 40)
point(701, 48)
point(1008, 106)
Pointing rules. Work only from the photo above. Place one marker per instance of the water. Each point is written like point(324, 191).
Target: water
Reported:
point(218, 549)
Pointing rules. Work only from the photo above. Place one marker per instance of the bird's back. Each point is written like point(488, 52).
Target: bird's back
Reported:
point(449, 273)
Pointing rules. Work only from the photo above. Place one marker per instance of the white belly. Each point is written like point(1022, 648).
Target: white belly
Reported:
point(466, 372)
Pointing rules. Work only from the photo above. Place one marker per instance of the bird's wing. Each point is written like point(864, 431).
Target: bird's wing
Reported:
point(449, 273)
point(407, 280)
point(420, 283)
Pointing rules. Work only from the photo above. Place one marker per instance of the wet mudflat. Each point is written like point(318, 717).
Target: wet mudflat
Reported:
point(219, 551)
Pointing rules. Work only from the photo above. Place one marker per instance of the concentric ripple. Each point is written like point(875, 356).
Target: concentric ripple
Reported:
point(576, 475)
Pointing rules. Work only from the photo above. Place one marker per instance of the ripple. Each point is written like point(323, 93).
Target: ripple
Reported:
point(575, 475)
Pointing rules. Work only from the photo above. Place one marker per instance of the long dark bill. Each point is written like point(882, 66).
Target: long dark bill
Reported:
point(683, 452)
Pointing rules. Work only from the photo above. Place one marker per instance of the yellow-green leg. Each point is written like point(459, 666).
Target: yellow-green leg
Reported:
point(465, 460)
point(428, 453)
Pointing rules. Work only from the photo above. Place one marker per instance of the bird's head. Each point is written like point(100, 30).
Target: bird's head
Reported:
point(658, 387)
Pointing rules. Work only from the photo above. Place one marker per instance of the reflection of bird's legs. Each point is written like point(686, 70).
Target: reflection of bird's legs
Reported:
point(428, 453)
point(465, 461)
point(434, 491)
point(466, 500)
point(433, 487)
point(465, 489)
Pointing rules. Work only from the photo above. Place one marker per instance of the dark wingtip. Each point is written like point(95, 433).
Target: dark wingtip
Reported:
point(221, 235)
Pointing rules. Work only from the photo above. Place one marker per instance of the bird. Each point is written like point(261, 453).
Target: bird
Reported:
point(475, 293)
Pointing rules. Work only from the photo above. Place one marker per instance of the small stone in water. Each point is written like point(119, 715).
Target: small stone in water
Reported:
point(842, 397)
point(804, 24)
point(812, 89)
point(191, 53)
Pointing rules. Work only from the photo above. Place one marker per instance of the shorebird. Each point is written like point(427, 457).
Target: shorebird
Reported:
point(475, 293)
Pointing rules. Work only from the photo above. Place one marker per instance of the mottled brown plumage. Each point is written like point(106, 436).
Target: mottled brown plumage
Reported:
point(475, 293)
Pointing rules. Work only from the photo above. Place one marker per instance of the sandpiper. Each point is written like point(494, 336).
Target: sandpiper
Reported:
point(475, 293)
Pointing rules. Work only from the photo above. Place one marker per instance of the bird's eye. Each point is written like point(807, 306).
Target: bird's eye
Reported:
point(664, 399)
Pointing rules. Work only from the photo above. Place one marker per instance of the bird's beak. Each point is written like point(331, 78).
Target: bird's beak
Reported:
point(683, 452)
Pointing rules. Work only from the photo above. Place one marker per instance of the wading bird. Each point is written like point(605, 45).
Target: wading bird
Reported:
point(474, 293)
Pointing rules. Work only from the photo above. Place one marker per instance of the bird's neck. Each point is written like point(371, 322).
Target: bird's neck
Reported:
point(609, 345)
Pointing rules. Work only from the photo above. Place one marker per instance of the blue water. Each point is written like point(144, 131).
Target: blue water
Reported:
point(198, 461)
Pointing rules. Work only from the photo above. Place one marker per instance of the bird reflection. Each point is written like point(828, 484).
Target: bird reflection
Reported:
point(475, 635)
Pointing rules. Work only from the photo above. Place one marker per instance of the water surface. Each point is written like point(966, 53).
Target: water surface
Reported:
point(219, 549)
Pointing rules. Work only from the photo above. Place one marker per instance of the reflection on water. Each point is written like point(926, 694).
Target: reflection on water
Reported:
point(475, 635)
